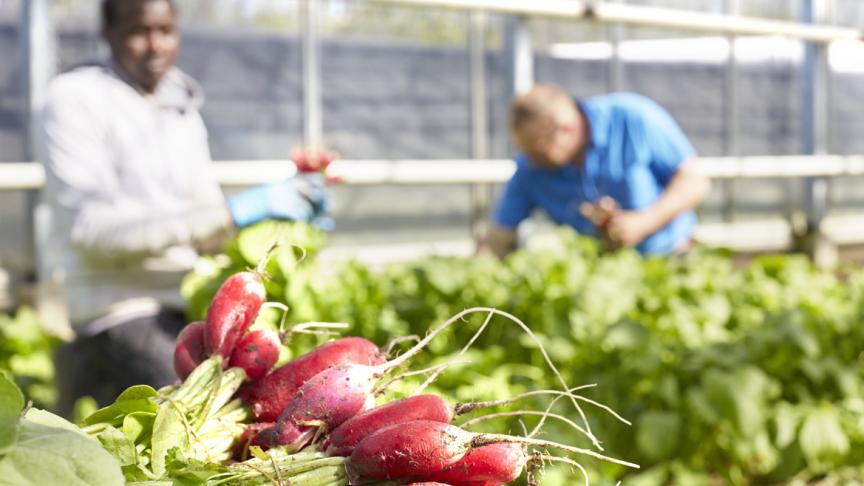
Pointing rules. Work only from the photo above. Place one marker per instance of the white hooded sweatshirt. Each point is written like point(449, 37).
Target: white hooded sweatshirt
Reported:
point(130, 189)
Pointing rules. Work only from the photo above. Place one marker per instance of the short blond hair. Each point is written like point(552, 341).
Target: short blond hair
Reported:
point(541, 103)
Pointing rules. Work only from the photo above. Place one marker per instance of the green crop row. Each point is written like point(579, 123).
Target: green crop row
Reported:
point(729, 375)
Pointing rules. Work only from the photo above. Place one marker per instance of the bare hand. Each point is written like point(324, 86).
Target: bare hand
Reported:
point(616, 227)
point(599, 213)
point(629, 228)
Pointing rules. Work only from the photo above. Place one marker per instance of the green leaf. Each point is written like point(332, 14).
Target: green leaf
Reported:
point(11, 404)
point(35, 365)
point(136, 392)
point(116, 442)
point(786, 420)
point(658, 434)
point(51, 455)
point(655, 476)
point(138, 426)
point(138, 398)
point(48, 419)
point(192, 472)
point(822, 439)
point(740, 396)
point(169, 432)
point(685, 475)
point(83, 408)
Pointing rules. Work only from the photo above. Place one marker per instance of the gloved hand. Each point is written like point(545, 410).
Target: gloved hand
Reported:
point(300, 198)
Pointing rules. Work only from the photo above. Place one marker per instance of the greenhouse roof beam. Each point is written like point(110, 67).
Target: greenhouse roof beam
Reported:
point(637, 15)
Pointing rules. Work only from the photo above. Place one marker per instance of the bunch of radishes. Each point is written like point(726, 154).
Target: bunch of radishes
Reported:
point(324, 401)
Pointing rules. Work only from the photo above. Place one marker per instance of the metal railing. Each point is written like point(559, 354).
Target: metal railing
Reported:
point(30, 176)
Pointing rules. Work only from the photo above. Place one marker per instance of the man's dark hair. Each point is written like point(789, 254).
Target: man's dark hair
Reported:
point(110, 7)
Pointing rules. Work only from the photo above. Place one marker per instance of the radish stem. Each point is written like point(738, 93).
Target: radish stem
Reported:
point(464, 349)
point(437, 369)
point(396, 362)
point(515, 413)
point(484, 439)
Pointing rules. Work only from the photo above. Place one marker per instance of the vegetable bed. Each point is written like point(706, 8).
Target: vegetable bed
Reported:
point(712, 375)
point(730, 375)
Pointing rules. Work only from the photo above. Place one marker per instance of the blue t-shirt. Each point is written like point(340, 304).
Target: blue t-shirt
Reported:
point(634, 150)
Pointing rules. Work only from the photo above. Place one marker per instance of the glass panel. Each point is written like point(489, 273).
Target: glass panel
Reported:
point(847, 104)
point(16, 245)
point(77, 23)
point(847, 97)
point(11, 121)
point(769, 96)
point(572, 54)
point(395, 81)
point(395, 84)
point(247, 55)
point(849, 13)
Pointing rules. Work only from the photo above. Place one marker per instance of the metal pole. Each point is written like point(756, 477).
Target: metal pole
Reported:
point(312, 120)
point(616, 72)
point(520, 54)
point(481, 194)
point(814, 123)
point(37, 55)
point(730, 114)
point(815, 107)
point(518, 61)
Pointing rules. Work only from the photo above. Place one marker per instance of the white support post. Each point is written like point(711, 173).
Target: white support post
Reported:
point(312, 120)
point(815, 134)
point(520, 54)
point(730, 114)
point(615, 32)
point(37, 58)
point(481, 194)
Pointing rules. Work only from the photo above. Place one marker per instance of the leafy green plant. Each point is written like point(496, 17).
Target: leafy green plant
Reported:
point(734, 375)
point(37, 447)
point(26, 352)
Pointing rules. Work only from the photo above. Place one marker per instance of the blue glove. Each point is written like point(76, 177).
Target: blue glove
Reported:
point(301, 198)
point(313, 186)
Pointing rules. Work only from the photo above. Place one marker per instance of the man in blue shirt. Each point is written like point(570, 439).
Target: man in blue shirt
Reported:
point(615, 166)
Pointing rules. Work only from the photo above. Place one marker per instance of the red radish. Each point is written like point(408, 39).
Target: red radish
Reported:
point(312, 160)
point(241, 446)
point(469, 483)
point(289, 437)
point(337, 394)
point(189, 349)
point(412, 449)
point(268, 397)
point(342, 440)
point(501, 462)
point(321, 404)
point(422, 448)
point(232, 311)
point(256, 353)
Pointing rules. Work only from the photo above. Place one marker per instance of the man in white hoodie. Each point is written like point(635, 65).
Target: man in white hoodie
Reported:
point(131, 193)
